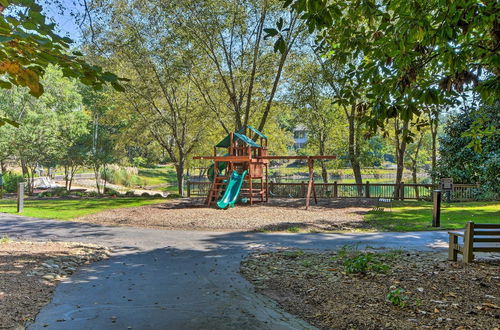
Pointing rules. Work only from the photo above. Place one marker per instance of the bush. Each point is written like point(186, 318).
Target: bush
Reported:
point(174, 196)
point(56, 192)
point(125, 176)
point(10, 181)
point(364, 263)
point(130, 193)
point(111, 192)
point(158, 195)
point(397, 298)
point(145, 194)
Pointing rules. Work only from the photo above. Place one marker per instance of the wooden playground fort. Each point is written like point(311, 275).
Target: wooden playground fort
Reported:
point(241, 174)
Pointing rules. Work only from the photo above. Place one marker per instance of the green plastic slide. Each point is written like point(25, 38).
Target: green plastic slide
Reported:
point(232, 190)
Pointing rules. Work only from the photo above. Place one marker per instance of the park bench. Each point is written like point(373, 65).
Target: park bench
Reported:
point(487, 234)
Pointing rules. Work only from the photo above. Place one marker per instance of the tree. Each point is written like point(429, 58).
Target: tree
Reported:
point(238, 73)
point(29, 45)
point(417, 154)
point(46, 123)
point(459, 160)
point(415, 53)
point(311, 96)
point(161, 95)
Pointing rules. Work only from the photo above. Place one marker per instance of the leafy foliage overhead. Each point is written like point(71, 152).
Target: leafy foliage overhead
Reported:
point(28, 45)
point(414, 53)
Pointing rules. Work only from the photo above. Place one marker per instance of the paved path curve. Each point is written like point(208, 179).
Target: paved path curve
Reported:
point(177, 279)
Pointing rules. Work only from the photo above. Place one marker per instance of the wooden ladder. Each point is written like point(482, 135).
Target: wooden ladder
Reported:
point(215, 190)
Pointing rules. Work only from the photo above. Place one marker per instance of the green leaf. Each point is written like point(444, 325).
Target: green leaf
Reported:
point(12, 122)
point(5, 39)
point(270, 33)
point(108, 76)
point(280, 45)
point(5, 84)
point(117, 86)
point(279, 24)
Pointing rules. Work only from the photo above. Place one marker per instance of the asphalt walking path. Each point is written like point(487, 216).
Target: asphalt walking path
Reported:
point(158, 279)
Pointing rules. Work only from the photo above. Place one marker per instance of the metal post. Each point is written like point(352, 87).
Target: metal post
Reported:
point(188, 188)
point(20, 197)
point(367, 189)
point(436, 210)
point(335, 190)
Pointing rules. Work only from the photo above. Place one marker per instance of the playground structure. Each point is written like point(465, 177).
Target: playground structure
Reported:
point(241, 174)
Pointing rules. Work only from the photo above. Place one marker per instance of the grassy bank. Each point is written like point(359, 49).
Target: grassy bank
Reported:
point(413, 216)
point(67, 209)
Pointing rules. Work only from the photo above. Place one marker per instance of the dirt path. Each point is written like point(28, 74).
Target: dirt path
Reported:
point(277, 215)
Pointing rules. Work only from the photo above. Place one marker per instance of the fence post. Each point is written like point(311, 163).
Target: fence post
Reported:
point(303, 189)
point(335, 190)
point(436, 209)
point(20, 197)
point(402, 191)
point(367, 189)
point(271, 188)
point(188, 188)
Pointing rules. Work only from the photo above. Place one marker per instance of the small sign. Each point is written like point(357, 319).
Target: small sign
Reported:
point(447, 184)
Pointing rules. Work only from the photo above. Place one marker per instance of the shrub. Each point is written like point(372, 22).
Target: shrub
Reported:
point(139, 161)
point(56, 192)
point(91, 194)
point(125, 176)
point(363, 263)
point(158, 195)
point(10, 181)
point(130, 193)
point(145, 194)
point(173, 196)
point(111, 192)
point(396, 297)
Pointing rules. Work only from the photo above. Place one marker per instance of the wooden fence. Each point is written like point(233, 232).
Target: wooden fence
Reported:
point(404, 191)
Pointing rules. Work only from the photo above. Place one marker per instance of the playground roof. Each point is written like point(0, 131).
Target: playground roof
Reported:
point(237, 136)
point(253, 129)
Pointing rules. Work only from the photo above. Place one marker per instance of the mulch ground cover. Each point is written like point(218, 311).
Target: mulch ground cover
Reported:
point(277, 215)
point(30, 271)
point(372, 289)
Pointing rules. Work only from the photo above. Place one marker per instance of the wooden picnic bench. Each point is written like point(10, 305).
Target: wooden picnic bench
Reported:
point(474, 233)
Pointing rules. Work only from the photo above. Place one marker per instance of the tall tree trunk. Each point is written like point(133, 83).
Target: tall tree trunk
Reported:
point(179, 169)
point(66, 177)
point(401, 134)
point(414, 165)
point(353, 150)
point(97, 178)
point(434, 127)
point(24, 168)
point(324, 169)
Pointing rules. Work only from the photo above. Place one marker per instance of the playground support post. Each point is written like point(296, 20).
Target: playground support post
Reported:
point(310, 185)
point(436, 210)
point(20, 197)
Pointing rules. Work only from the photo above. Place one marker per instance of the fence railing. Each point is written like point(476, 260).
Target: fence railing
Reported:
point(403, 191)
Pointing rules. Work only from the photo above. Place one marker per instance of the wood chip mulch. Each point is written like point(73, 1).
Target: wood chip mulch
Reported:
point(398, 290)
point(276, 215)
point(29, 272)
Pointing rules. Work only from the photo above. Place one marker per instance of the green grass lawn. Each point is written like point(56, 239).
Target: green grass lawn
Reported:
point(158, 175)
point(67, 209)
point(413, 216)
